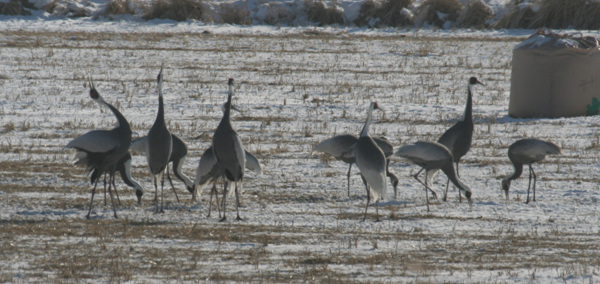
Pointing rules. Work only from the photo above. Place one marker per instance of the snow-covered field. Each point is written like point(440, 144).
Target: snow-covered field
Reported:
point(296, 87)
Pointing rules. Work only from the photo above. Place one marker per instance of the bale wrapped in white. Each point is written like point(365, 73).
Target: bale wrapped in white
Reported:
point(554, 76)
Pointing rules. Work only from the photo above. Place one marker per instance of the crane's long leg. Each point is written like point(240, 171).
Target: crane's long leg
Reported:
point(393, 179)
point(459, 196)
point(446, 192)
point(237, 200)
point(162, 192)
point(116, 192)
point(377, 211)
point(534, 180)
point(92, 200)
point(368, 196)
point(349, 169)
point(367, 206)
point(213, 191)
point(529, 185)
point(155, 193)
point(171, 182)
point(416, 176)
point(104, 183)
point(111, 181)
point(224, 198)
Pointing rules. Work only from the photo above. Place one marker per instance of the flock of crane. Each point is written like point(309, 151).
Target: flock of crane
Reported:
point(108, 151)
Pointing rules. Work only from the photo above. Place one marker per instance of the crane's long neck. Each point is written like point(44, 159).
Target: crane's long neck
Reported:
point(160, 116)
point(122, 122)
point(365, 130)
point(227, 112)
point(517, 173)
point(469, 107)
point(451, 174)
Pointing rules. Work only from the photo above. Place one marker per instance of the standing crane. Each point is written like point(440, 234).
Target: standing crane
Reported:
point(458, 138)
point(101, 150)
point(371, 162)
point(433, 156)
point(229, 153)
point(159, 146)
point(527, 152)
point(209, 171)
point(178, 156)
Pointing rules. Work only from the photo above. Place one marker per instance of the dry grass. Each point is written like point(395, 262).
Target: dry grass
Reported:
point(15, 8)
point(235, 14)
point(177, 10)
point(319, 13)
point(516, 17)
point(118, 7)
point(393, 13)
point(476, 15)
point(429, 12)
point(555, 14)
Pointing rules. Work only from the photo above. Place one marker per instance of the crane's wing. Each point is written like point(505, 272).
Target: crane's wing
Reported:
point(252, 163)
point(97, 141)
point(205, 167)
point(339, 146)
point(384, 145)
point(424, 152)
point(139, 145)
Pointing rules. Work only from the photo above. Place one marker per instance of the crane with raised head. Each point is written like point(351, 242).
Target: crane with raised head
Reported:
point(101, 150)
point(229, 153)
point(371, 162)
point(458, 138)
point(159, 146)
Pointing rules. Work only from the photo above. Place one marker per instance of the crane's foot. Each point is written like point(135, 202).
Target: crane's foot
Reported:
point(223, 219)
point(116, 216)
point(377, 220)
point(87, 216)
point(238, 218)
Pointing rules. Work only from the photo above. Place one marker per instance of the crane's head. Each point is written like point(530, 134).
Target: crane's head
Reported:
point(194, 192)
point(468, 196)
point(139, 193)
point(93, 92)
point(230, 85)
point(474, 81)
point(506, 186)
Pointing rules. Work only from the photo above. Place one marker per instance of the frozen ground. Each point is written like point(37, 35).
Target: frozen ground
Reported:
point(296, 87)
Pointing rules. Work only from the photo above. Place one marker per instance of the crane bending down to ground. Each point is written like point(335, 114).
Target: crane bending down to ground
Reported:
point(458, 138)
point(159, 146)
point(527, 152)
point(209, 171)
point(178, 156)
point(101, 150)
point(340, 147)
point(371, 162)
point(433, 156)
point(124, 168)
point(229, 153)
